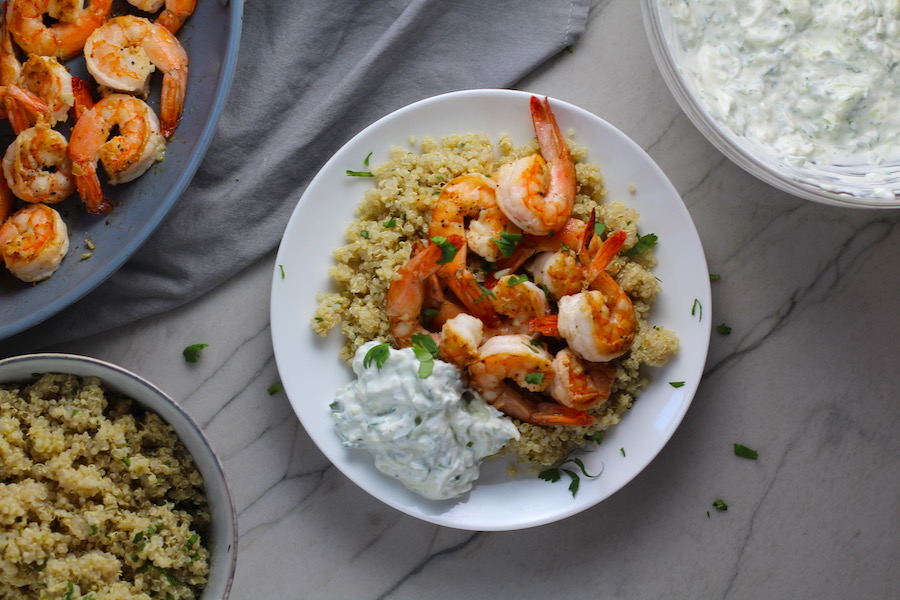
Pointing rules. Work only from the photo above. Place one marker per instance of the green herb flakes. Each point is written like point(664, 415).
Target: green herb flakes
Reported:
point(448, 250)
point(507, 242)
point(676, 384)
point(426, 350)
point(723, 329)
point(697, 309)
point(275, 388)
point(192, 352)
point(719, 504)
point(554, 474)
point(379, 354)
point(745, 452)
point(535, 378)
point(644, 243)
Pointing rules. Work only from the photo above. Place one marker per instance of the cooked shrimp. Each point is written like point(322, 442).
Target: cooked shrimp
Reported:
point(176, 13)
point(598, 324)
point(519, 300)
point(406, 294)
point(66, 35)
point(123, 53)
point(460, 339)
point(125, 156)
point(49, 80)
point(37, 167)
point(519, 358)
point(557, 272)
point(33, 242)
point(537, 192)
point(471, 196)
point(22, 107)
point(580, 384)
point(10, 67)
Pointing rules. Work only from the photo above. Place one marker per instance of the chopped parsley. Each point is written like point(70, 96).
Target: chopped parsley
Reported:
point(281, 268)
point(599, 229)
point(745, 452)
point(517, 279)
point(714, 277)
point(554, 474)
point(192, 352)
point(364, 234)
point(362, 173)
point(697, 308)
point(448, 250)
point(535, 378)
point(644, 243)
point(484, 292)
point(676, 384)
point(622, 451)
point(507, 242)
point(426, 350)
point(379, 354)
point(719, 504)
point(723, 329)
point(275, 388)
point(390, 223)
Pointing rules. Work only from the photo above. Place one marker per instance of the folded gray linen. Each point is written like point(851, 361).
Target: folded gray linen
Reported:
point(310, 75)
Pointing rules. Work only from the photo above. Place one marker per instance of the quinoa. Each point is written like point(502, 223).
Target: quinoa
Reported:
point(395, 213)
point(99, 500)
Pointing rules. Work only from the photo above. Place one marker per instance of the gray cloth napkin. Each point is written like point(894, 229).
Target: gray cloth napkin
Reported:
point(310, 75)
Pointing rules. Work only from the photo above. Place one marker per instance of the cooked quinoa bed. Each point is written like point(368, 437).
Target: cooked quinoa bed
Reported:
point(395, 212)
point(99, 500)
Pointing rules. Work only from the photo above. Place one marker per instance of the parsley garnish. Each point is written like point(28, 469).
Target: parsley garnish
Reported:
point(644, 243)
point(599, 229)
point(517, 279)
point(535, 378)
point(553, 474)
point(390, 223)
point(192, 352)
point(507, 242)
point(281, 268)
point(596, 437)
point(364, 234)
point(723, 329)
point(362, 173)
point(676, 384)
point(622, 450)
point(426, 350)
point(274, 388)
point(714, 277)
point(377, 353)
point(484, 292)
point(745, 452)
point(448, 250)
point(697, 308)
point(719, 504)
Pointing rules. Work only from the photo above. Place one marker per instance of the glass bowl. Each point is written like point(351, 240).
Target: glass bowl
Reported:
point(856, 185)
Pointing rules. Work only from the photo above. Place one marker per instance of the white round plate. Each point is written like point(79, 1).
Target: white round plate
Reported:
point(311, 372)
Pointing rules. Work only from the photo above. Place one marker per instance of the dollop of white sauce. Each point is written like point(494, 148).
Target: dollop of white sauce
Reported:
point(430, 433)
point(815, 80)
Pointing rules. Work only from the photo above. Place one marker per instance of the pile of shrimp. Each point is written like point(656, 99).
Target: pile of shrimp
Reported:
point(520, 275)
point(42, 101)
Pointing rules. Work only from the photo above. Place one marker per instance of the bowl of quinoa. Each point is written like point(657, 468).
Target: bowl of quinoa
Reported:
point(109, 490)
point(323, 310)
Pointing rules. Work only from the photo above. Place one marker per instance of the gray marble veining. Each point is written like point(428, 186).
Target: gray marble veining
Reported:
point(808, 376)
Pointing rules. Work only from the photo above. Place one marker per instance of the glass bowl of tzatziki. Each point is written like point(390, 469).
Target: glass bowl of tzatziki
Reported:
point(802, 94)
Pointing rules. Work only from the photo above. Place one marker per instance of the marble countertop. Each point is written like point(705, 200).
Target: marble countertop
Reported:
point(808, 376)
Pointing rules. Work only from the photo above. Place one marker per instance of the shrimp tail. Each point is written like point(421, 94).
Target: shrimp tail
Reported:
point(547, 325)
point(88, 185)
point(172, 101)
point(463, 284)
point(83, 99)
point(550, 413)
point(604, 255)
point(175, 14)
point(20, 103)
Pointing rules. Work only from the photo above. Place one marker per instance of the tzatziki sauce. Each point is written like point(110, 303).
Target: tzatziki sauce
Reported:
point(814, 80)
point(430, 433)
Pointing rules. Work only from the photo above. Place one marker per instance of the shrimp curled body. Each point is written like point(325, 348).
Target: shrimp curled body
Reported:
point(33, 242)
point(123, 53)
point(37, 167)
point(125, 156)
point(63, 38)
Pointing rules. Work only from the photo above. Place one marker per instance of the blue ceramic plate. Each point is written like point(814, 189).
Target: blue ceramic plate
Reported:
point(211, 37)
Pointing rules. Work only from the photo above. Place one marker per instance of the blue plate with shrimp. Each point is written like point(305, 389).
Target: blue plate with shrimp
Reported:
point(100, 244)
point(311, 370)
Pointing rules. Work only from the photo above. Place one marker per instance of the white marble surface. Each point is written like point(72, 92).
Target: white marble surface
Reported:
point(808, 376)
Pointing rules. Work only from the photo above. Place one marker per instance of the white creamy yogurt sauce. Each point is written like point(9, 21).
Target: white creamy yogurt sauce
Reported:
point(430, 433)
point(815, 80)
